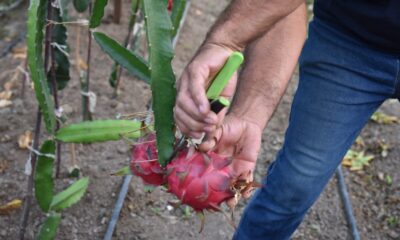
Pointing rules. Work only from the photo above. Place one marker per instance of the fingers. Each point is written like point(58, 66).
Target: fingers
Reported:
point(192, 109)
point(197, 89)
point(187, 125)
point(210, 140)
point(185, 103)
point(189, 119)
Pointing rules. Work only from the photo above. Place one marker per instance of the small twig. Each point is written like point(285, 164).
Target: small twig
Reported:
point(24, 78)
point(131, 142)
point(73, 155)
point(131, 26)
point(150, 160)
point(77, 49)
point(133, 115)
point(37, 153)
point(87, 116)
point(117, 11)
point(29, 192)
point(79, 22)
point(145, 142)
point(54, 90)
point(62, 48)
point(56, 105)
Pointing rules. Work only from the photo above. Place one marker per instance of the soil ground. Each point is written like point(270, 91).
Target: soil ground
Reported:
point(375, 191)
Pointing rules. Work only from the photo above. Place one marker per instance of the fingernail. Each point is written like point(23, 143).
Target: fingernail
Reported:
point(202, 109)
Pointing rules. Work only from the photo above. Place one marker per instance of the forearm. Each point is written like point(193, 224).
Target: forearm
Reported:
point(270, 62)
point(243, 21)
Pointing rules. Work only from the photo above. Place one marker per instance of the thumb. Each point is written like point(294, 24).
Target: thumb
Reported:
point(210, 140)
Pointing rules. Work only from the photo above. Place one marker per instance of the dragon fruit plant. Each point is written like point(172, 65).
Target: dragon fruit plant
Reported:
point(202, 180)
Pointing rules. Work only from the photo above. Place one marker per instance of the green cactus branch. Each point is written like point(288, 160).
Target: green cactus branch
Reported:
point(36, 21)
point(159, 34)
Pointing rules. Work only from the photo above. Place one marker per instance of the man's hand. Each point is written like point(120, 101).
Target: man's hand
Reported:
point(192, 110)
point(239, 138)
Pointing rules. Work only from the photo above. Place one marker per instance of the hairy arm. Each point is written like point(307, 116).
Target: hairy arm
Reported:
point(245, 20)
point(261, 25)
point(270, 62)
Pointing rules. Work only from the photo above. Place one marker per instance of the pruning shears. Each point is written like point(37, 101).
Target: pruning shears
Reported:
point(217, 102)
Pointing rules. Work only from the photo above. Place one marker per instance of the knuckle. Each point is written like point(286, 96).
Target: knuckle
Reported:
point(196, 126)
point(194, 134)
point(181, 99)
point(193, 66)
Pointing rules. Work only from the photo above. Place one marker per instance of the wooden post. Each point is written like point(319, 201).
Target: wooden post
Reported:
point(117, 11)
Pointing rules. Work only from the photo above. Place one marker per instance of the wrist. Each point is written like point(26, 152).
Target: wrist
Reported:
point(226, 36)
point(256, 112)
point(222, 39)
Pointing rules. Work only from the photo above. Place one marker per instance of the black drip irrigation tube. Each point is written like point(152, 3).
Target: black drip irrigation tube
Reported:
point(127, 179)
point(3, 10)
point(118, 207)
point(348, 209)
point(7, 8)
point(12, 44)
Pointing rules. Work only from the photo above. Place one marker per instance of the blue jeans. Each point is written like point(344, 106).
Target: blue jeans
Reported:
point(342, 82)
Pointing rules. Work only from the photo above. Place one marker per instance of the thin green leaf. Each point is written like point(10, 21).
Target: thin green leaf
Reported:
point(122, 171)
point(132, 62)
point(159, 36)
point(98, 13)
point(81, 5)
point(176, 14)
point(44, 185)
point(62, 61)
point(99, 131)
point(49, 228)
point(36, 21)
point(132, 20)
point(70, 196)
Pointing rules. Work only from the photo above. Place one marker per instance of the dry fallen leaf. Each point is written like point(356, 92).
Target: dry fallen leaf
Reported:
point(384, 148)
point(82, 64)
point(5, 138)
point(198, 12)
point(360, 141)
point(8, 85)
point(5, 95)
point(356, 160)
point(5, 103)
point(25, 140)
point(19, 50)
point(383, 118)
point(7, 208)
point(3, 165)
point(19, 56)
